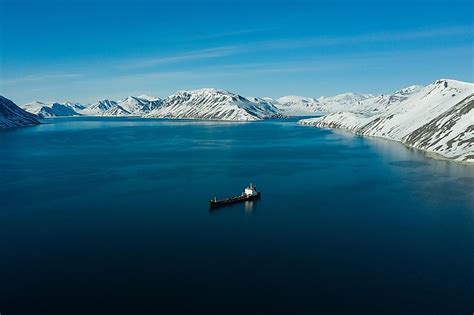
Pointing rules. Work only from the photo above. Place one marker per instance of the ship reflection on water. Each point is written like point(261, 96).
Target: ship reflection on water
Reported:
point(249, 207)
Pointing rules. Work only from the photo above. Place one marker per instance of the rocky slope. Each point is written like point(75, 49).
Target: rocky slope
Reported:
point(13, 116)
point(139, 105)
point(130, 106)
point(213, 104)
point(438, 118)
point(105, 108)
point(48, 110)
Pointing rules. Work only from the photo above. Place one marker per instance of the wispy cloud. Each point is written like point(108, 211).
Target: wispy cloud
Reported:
point(363, 38)
point(145, 68)
point(42, 77)
point(208, 53)
point(248, 69)
point(231, 33)
point(286, 44)
point(227, 70)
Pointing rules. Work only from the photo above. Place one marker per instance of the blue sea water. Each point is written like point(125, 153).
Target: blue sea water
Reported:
point(110, 216)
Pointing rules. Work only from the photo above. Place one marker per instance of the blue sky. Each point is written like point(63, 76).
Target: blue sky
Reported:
point(88, 50)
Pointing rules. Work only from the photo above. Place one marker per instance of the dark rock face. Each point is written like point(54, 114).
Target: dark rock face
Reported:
point(429, 135)
point(13, 116)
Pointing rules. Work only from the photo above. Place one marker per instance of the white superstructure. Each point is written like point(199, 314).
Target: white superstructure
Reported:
point(250, 190)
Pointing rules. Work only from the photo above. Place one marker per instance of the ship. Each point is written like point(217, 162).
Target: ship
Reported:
point(250, 193)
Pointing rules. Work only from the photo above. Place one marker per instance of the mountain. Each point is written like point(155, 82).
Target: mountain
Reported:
point(130, 106)
point(13, 116)
point(307, 106)
point(293, 105)
point(48, 110)
point(148, 98)
point(438, 118)
point(139, 105)
point(213, 104)
point(105, 108)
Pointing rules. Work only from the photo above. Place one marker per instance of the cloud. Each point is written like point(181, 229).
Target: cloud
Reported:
point(124, 73)
point(209, 53)
point(362, 38)
point(307, 65)
point(289, 44)
point(42, 77)
point(231, 33)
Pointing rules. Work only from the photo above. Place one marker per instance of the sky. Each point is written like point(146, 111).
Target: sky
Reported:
point(83, 51)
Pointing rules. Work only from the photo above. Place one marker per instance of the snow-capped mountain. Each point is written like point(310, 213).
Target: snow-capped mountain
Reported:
point(148, 98)
point(297, 105)
point(13, 116)
point(307, 106)
point(213, 104)
point(47, 110)
point(301, 106)
point(342, 101)
point(438, 118)
point(139, 105)
point(130, 106)
point(105, 108)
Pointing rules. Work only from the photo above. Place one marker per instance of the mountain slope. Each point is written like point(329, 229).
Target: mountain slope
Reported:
point(213, 104)
point(48, 110)
point(13, 116)
point(105, 108)
point(307, 106)
point(438, 118)
point(139, 105)
point(293, 105)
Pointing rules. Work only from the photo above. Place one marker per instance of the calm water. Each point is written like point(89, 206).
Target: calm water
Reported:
point(111, 216)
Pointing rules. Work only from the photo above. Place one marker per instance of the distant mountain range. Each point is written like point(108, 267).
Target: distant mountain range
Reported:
point(215, 105)
point(438, 118)
point(130, 106)
point(48, 110)
point(211, 104)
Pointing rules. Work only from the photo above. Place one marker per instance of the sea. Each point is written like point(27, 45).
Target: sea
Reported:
point(111, 216)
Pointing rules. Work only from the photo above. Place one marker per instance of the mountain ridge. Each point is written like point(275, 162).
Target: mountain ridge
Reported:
point(11, 115)
point(438, 118)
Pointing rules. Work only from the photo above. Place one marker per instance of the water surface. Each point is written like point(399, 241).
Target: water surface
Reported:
point(110, 216)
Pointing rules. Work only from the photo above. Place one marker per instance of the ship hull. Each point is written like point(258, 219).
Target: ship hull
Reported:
point(231, 201)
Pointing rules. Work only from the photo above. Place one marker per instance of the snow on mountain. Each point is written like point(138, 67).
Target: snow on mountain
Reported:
point(308, 106)
point(130, 106)
point(213, 104)
point(34, 107)
point(342, 101)
point(438, 118)
point(297, 105)
point(75, 106)
point(13, 116)
point(148, 98)
point(105, 108)
point(140, 105)
point(47, 110)
point(369, 104)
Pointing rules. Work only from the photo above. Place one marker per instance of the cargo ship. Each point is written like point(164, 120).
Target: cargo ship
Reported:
point(250, 193)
